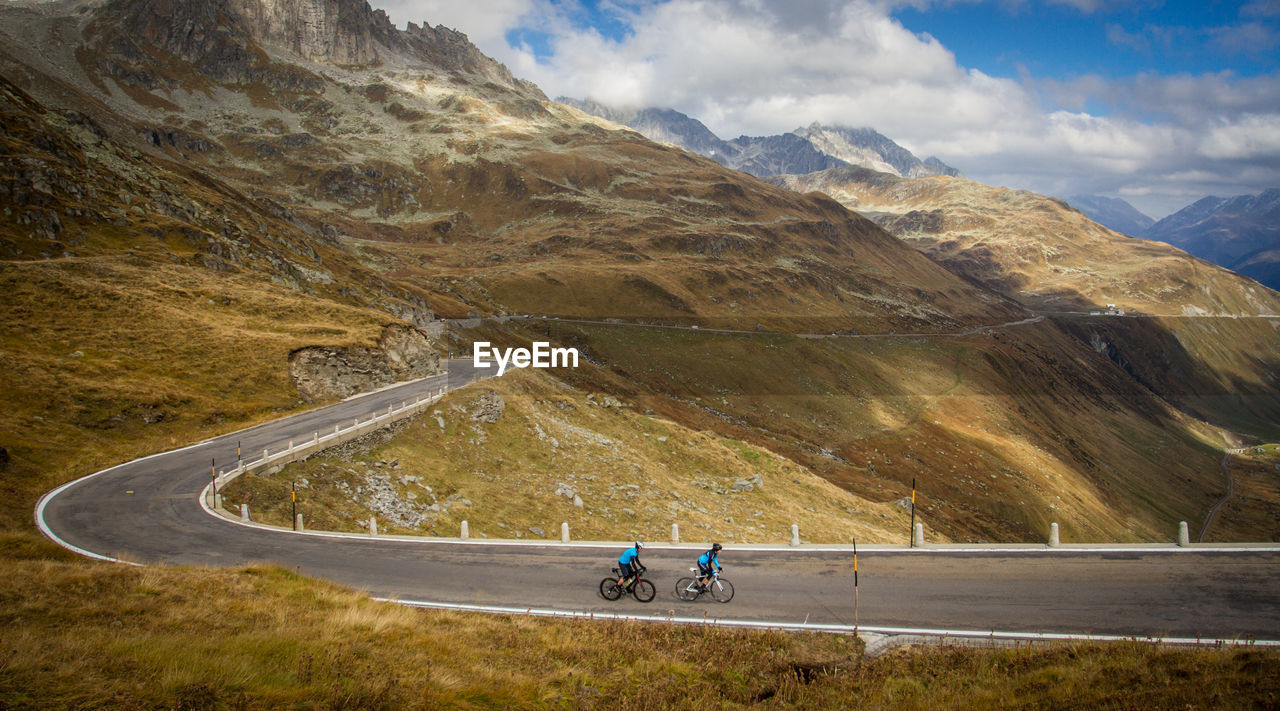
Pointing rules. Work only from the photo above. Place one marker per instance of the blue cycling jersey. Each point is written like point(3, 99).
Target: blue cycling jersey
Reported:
point(709, 559)
point(628, 555)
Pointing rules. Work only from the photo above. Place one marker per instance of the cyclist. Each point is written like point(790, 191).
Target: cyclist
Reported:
point(629, 562)
point(707, 561)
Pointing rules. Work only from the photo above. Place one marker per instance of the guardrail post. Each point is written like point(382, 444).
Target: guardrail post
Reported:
point(564, 532)
point(675, 533)
point(1184, 536)
point(465, 534)
point(918, 538)
point(244, 512)
point(297, 524)
point(795, 534)
point(1053, 535)
point(373, 525)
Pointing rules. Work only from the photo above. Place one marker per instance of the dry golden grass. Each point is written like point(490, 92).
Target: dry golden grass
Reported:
point(107, 359)
point(637, 474)
point(1254, 505)
point(1037, 249)
point(1004, 434)
point(98, 636)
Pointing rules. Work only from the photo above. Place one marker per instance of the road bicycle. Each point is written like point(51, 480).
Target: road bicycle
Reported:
point(720, 589)
point(641, 589)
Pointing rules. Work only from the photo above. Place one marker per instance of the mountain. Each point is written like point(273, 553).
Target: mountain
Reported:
point(662, 125)
point(804, 150)
point(204, 198)
point(1051, 258)
point(1113, 213)
point(1240, 233)
point(869, 149)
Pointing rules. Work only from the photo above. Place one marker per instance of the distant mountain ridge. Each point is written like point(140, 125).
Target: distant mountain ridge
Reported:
point(804, 150)
point(1240, 233)
point(1113, 213)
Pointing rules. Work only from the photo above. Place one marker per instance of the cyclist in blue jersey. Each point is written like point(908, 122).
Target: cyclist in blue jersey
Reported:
point(707, 561)
point(629, 562)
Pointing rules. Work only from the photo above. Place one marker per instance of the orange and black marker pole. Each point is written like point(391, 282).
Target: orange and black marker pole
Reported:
point(855, 585)
point(911, 534)
point(293, 498)
point(213, 473)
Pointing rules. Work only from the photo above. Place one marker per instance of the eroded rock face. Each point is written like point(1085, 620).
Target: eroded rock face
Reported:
point(325, 372)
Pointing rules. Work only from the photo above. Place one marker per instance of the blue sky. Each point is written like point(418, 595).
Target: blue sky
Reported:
point(1118, 39)
point(1155, 101)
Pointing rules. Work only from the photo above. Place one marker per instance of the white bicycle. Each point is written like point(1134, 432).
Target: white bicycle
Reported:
point(720, 589)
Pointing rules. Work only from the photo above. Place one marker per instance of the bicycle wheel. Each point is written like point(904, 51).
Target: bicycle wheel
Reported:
point(721, 590)
point(609, 589)
point(644, 590)
point(686, 590)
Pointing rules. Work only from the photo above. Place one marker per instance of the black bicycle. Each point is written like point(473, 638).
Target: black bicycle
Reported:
point(720, 589)
point(641, 589)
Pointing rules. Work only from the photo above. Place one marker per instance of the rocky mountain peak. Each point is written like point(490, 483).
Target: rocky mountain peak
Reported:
point(225, 39)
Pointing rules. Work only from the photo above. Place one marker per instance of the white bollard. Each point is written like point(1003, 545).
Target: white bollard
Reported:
point(1053, 535)
point(1184, 535)
point(290, 446)
point(336, 428)
point(244, 512)
point(795, 534)
point(217, 501)
point(315, 439)
point(675, 533)
point(917, 538)
point(297, 524)
point(266, 454)
point(465, 533)
point(388, 411)
point(373, 525)
point(564, 532)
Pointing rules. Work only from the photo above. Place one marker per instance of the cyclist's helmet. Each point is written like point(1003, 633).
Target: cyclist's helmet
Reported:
point(639, 545)
point(716, 547)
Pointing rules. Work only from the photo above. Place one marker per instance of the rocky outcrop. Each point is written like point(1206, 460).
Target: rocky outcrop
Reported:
point(488, 407)
point(326, 372)
point(224, 39)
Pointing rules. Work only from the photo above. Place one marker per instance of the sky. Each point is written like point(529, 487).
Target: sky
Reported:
point(1154, 101)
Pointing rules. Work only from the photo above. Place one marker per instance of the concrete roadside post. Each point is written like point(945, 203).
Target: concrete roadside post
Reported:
point(1184, 535)
point(1053, 535)
point(675, 533)
point(795, 534)
point(373, 525)
point(917, 539)
point(244, 513)
point(465, 534)
point(564, 532)
point(297, 523)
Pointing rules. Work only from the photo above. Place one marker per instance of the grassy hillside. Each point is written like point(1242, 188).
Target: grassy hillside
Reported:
point(1004, 432)
point(635, 475)
point(107, 359)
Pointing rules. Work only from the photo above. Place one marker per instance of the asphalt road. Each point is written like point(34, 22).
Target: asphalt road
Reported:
point(148, 511)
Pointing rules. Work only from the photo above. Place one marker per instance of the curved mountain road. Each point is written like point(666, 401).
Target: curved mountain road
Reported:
point(149, 511)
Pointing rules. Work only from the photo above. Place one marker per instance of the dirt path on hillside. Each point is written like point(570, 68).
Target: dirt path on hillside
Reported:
point(1213, 512)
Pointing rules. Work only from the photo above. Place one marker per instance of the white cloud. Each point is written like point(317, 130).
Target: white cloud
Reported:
point(768, 66)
